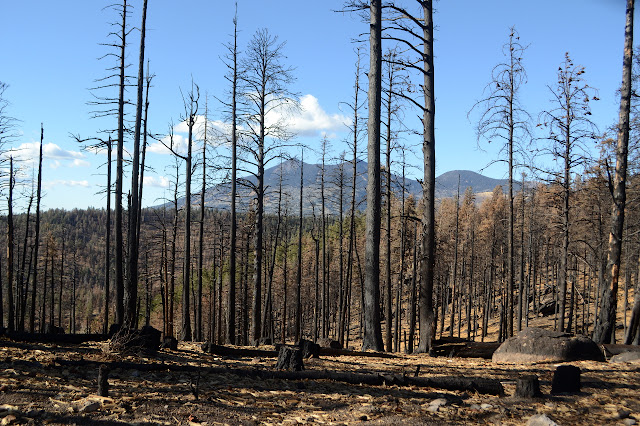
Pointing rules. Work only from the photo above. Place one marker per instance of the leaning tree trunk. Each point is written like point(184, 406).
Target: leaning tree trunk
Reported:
point(604, 332)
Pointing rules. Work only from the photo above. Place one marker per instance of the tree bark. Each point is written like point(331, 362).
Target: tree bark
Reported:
point(203, 189)
point(298, 320)
point(231, 301)
point(427, 264)
point(131, 289)
point(119, 254)
point(604, 332)
point(36, 243)
point(10, 248)
point(107, 246)
point(372, 338)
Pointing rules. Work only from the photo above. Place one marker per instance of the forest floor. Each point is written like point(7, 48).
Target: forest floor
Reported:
point(57, 384)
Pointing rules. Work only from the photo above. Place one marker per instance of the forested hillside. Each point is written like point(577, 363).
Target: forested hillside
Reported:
point(471, 253)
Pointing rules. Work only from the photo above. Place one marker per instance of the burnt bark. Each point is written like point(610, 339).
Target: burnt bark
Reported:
point(372, 338)
point(605, 327)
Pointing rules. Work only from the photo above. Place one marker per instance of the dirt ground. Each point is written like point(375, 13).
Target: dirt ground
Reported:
point(38, 385)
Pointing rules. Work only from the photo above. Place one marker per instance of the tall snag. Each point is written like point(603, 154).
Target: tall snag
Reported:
point(605, 326)
point(372, 338)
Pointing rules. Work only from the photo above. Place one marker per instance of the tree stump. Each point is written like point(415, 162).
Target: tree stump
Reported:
point(290, 358)
point(103, 380)
point(566, 379)
point(528, 387)
point(149, 338)
point(309, 349)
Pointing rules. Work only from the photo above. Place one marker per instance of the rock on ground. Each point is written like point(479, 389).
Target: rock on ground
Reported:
point(536, 345)
point(633, 357)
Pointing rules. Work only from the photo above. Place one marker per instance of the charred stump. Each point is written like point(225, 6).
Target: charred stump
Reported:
point(528, 387)
point(103, 380)
point(309, 349)
point(566, 379)
point(290, 359)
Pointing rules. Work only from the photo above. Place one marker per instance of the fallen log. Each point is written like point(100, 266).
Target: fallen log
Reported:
point(73, 339)
point(347, 352)
point(612, 349)
point(244, 352)
point(452, 383)
point(222, 350)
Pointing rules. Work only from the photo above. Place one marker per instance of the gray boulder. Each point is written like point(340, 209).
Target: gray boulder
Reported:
point(631, 356)
point(539, 345)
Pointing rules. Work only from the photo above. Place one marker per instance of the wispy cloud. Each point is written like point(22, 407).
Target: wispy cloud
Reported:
point(70, 183)
point(310, 120)
point(216, 132)
point(29, 153)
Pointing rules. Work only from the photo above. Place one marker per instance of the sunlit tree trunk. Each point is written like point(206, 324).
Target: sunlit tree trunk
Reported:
point(372, 338)
point(604, 332)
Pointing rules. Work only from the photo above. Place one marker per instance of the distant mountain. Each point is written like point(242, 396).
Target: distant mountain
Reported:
point(447, 183)
point(446, 186)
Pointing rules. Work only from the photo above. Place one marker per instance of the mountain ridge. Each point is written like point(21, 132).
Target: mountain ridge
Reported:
point(218, 196)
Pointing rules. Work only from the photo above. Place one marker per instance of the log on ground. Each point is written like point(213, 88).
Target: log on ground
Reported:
point(453, 383)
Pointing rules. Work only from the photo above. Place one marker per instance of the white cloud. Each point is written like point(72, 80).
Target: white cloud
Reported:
point(313, 120)
point(29, 153)
point(156, 182)
point(81, 163)
point(309, 120)
point(215, 135)
point(179, 145)
point(71, 183)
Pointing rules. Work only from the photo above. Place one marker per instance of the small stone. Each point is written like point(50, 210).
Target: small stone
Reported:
point(434, 406)
point(438, 402)
point(541, 420)
point(629, 422)
point(475, 407)
point(486, 406)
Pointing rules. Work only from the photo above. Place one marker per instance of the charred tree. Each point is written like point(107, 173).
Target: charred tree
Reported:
point(605, 326)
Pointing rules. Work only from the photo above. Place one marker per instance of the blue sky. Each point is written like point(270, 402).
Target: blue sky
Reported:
point(50, 54)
